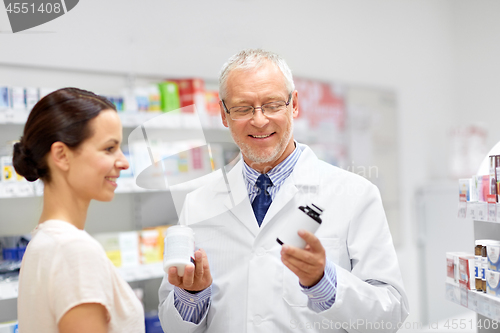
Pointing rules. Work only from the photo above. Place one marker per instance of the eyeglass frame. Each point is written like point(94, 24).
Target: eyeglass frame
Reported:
point(255, 108)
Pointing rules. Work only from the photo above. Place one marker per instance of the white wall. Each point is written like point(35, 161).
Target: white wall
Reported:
point(407, 46)
point(477, 78)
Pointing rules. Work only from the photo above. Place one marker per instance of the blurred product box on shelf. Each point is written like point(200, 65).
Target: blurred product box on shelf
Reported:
point(213, 109)
point(492, 180)
point(151, 246)
point(476, 183)
point(497, 173)
point(13, 247)
point(452, 267)
point(142, 99)
point(9, 327)
point(169, 93)
point(486, 187)
point(191, 91)
point(117, 101)
point(492, 283)
point(467, 272)
point(152, 322)
point(17, 98)
point(122, 248)
point(464, 186)
point(4, 97)
point(493, 253)
point(7, 169)
point(154, 98)
point(31, 97)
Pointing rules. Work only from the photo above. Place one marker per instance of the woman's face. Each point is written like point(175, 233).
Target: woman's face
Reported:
point(96, 163)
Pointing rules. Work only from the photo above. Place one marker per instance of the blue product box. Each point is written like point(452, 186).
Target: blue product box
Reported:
point(4, 97)
point(152, 322)
point(10, 253)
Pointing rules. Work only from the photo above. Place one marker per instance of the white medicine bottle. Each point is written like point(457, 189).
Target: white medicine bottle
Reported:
point(305, 217)
point(179, 248)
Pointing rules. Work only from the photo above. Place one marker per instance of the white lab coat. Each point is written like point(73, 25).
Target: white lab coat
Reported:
point(254, 292)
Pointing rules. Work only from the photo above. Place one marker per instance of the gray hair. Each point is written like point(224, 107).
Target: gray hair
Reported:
point(251, 59)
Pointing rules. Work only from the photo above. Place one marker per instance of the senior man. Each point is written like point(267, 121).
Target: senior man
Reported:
point(347, 279)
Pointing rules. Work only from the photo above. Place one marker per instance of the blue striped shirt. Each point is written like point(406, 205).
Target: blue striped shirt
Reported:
point(192, 307)
point(278, 175)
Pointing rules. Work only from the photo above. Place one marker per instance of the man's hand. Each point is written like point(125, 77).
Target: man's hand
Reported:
point(196, 278)
point(308, 264)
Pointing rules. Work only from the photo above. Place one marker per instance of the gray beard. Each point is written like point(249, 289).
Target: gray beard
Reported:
point(259, 157)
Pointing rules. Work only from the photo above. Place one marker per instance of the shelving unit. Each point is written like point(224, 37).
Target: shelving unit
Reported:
point(484, 304)
point(9, 289)
point(486, 219)
point(133, 208)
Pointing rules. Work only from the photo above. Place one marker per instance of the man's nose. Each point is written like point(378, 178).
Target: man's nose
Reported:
point(259, 119)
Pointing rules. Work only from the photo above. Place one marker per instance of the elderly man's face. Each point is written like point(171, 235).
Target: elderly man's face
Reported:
point(264, 141)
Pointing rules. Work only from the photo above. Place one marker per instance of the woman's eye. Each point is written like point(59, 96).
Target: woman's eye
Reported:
point(110, 149)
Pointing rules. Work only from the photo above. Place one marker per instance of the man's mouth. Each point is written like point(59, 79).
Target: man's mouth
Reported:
point(261, 136)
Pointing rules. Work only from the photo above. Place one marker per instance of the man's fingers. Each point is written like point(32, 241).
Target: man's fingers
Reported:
point(173, 278)
point(188, 278)
point(198, 258)
point(311, 240)
point(206, 266)
point(301, 265)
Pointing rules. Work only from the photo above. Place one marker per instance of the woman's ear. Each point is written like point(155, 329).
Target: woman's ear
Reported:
point(60, 155)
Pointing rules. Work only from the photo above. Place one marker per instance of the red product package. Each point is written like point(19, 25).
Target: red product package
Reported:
point(486, 187)
point(191, 91)
point(467, 272)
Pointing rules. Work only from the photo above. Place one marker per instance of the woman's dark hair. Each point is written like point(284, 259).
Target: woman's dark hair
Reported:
point(60, 116)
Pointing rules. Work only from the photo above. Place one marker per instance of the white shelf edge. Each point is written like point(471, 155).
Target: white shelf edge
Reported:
point(9, 290)
point(11, 190)
point(478, 211)
point(128, 119)
point(479, 302)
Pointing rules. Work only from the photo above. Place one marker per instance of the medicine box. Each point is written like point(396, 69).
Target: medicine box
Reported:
point(452, 267)
point(493, 251)
point(31, 97)
point(8, 173)
point(122, 248)
point(4, 97)
point(492, 283)
point(464, 187)
point(150, 246)
point(9, 327)
point(17, 98)
point(467, 272)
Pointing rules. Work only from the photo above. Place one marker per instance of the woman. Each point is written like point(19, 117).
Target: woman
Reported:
point(71, 141)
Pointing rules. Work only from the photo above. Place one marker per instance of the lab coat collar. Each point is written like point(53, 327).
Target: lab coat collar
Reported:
point(304, 178)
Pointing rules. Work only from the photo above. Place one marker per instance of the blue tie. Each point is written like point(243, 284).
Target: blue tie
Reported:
point(263, 199)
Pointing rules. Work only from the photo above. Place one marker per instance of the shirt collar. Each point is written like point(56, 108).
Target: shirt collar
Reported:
point(279, 173)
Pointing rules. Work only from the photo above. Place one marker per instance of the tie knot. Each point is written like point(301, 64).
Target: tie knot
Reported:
point(263, 182)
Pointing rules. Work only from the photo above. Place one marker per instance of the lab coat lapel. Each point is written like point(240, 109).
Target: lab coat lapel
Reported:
point(239, 205)
point(303, 181)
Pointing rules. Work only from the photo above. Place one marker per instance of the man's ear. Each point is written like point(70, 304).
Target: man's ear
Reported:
point(295, 104)
point(223, 114)
point(60, 155)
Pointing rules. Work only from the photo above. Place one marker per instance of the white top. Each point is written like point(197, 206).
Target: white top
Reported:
point(64, 267)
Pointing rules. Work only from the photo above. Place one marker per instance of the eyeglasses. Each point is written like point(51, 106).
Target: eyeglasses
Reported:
point(247, 112)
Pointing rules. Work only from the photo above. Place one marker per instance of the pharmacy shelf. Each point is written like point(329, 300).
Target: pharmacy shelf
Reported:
point(129, 119)
point(480, 211)
point(479, 302)
point(9, 289)
point(24, 189)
